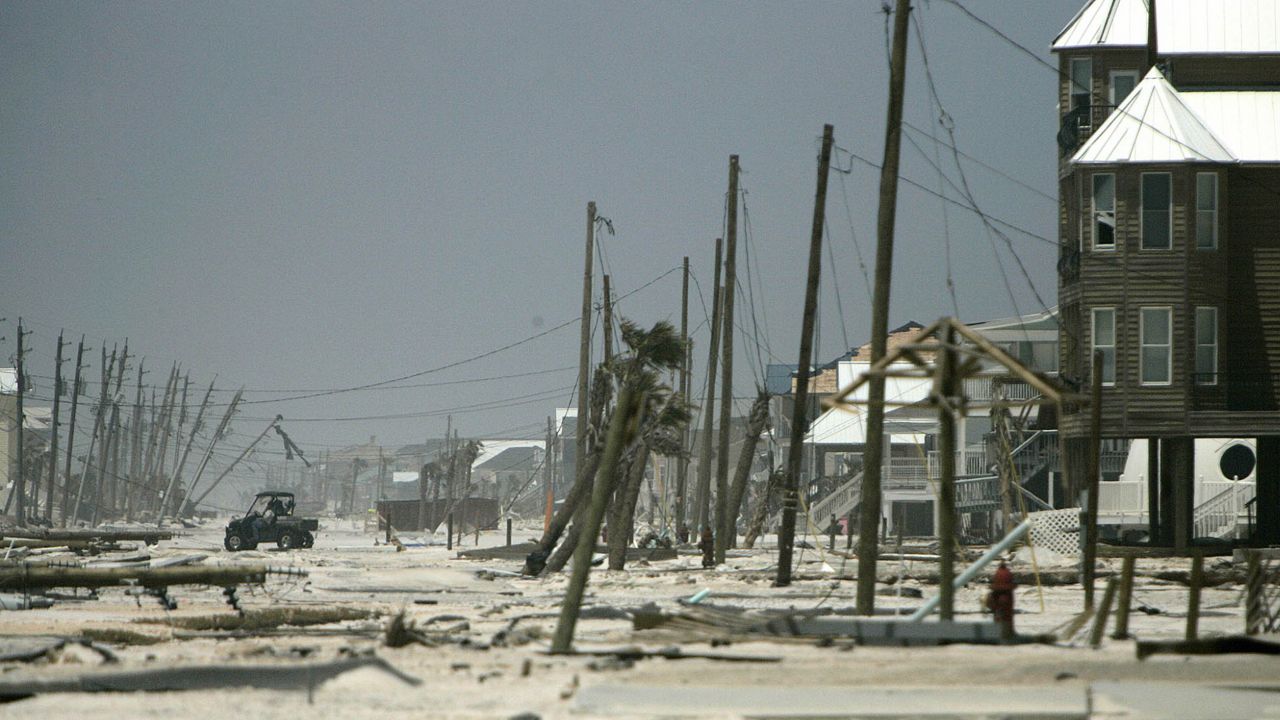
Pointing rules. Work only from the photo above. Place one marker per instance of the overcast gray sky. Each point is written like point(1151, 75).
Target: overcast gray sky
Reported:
point(312, 195)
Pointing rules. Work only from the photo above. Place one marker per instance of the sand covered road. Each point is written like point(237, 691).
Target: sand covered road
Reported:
point(477, 600)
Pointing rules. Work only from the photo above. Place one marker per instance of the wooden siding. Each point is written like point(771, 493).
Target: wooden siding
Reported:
point(1241, 278)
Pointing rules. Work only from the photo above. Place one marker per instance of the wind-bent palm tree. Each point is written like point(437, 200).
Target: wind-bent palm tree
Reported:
point(641, 394)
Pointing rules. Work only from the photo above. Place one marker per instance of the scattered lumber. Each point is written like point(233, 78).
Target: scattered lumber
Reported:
point(1210, 646)
point(863, 631)
point(670, 653)
point(199, 677)
point(148, 535)
point(33, 577)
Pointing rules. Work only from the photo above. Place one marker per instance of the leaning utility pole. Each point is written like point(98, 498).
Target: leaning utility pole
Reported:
point(208, 452)
point(607, 313)
point(20, 487)
point(682, 463)
point(873, 455)
point(71, 431)
point(98, 419)
point(584, 351)
point(53, 432)
point(182, 462)
point(703, 496)
point(239, 457)
point(724, 524)
point(547, 477)
point(790, 493)
point(135, 443)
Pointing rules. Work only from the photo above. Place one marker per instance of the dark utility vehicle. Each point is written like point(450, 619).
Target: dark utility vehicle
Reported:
point(270, 519)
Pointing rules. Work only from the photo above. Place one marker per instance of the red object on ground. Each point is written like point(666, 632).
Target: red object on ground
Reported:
point(1000, 600)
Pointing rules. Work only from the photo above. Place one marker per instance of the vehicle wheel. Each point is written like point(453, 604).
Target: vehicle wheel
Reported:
point(234, 542)
point(288, 541)
point(308, 539)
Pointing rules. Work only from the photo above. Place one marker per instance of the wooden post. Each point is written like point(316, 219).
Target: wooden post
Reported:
point(1090, 554)
point(71, 431)
point(947, 391)
point(1104, 610)
point(53, 432)
point(1154, 532)
point(787, 532)
point(508, 532)
point(682, 464)
point(703, 497)
point(873, 455)
point(725, 524)
point(1193, 600)
point(1126, 599)
point(1254, 609)
point(448, 542)
point(621, 428)
point(584, 350)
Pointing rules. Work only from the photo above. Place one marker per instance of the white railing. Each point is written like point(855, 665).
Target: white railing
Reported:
point(977, 493)
point(1122, 502)
point(1217, 516)
point(971, 461)
point(979, 389)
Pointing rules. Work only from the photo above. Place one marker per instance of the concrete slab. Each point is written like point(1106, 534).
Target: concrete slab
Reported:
point(1168, 701)
point(1045, 702)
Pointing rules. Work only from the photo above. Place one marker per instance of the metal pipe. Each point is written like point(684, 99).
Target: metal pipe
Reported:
point(972, 571)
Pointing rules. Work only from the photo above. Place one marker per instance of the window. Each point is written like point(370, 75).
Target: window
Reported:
point(1081, 83)
point(1207, 345)
point(1156, 359)
point(1104, 212)
point(1157, 211)
point(1206, 211)
point(1104, 340)
point(1122, 83)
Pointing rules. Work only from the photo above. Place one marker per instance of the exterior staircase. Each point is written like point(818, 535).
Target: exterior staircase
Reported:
point(838, 502)
point(1220, 515)
point(1037, 453)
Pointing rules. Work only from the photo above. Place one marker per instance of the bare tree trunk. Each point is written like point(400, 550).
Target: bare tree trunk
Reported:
point(424, 479)
point(756, 422)
point(622, 519)
point(574, 503)
point(574, 507)
point(762, 511)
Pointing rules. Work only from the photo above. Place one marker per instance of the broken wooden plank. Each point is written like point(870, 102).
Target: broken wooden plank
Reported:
point(1259, 645)
point(670, 653)
point(31, 577)
point(199, 677)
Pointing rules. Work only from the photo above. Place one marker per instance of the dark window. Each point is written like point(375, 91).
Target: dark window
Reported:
point(1104, 211)
point(1157, 211)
